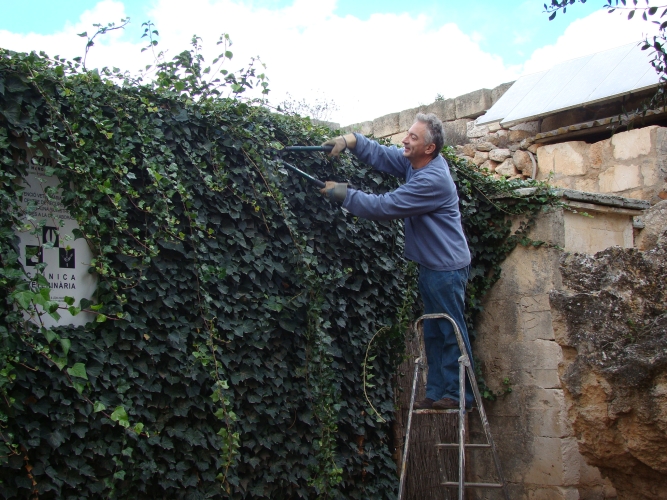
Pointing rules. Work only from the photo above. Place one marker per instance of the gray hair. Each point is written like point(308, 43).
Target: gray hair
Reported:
point(435, 133)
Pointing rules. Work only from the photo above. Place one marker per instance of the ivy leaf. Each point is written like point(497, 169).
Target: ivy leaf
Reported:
point(78, 370)
point(24, 299)
point(66, 344)
point(120, 415)
point(98, 407)
point(50, 335)
point(69, 301)
point(60, 362)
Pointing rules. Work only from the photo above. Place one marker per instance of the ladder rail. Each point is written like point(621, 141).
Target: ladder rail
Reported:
point(465, 368)
point(404, 462)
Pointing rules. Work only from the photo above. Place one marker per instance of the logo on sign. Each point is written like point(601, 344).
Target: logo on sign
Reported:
point(50, 235)
point(66, 258)
point(34, 255)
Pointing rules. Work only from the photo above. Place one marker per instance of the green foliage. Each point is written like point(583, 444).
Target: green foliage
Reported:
point(238, 304)
point(235, 306)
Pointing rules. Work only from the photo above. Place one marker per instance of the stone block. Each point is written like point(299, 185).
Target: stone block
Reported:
point(548, 379)
point(455, 132)
point(549, 423)
point(620, 178)
point(467, 149)
point(553, 493)
point(397, 138)
point(523, 162)
point(546, 468)
point(475, 132)
point(507, 168)
point(633, 143)
point(564, 159)
point(324, 123)
point(386, 125)
point(586, 185)
point(407, 117)
point(499, 155)
point(480, 157)
point(543, 354)
point(364, 128)
point(537, 325)
point(571, 457)
point(494, 127)
point(489, 165)
point(650, 174)
point(535, 303)
point(473, 104)
point(485, 146)
point(593, 234)
point(497, 92)
point(445, 110)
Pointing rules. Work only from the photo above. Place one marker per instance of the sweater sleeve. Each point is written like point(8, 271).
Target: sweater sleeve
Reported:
point(414, 198)
point(387, 159)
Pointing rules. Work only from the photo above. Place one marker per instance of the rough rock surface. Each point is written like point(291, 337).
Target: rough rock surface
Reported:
point(611, 322)
point(655, 230)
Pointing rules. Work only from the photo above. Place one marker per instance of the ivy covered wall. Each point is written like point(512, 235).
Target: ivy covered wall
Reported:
point(234, 308)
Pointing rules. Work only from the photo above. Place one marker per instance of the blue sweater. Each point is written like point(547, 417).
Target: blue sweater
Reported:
point(428, 203)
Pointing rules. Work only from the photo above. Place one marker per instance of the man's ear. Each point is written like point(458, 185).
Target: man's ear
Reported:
point(430, 149)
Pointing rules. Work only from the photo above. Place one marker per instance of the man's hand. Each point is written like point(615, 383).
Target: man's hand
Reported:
point(335, 191)
point(341, 143)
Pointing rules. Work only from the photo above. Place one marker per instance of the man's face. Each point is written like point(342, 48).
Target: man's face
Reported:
point(416, 149)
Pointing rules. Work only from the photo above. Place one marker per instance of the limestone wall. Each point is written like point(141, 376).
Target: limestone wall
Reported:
point(536, 442)
point(631, 164)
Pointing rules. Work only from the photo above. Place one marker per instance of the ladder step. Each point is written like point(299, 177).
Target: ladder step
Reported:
point(452, 484)
point(456, 445)
point(432, 412)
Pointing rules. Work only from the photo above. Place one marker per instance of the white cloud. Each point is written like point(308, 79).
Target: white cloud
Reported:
point(594, 33)
point(369, 68)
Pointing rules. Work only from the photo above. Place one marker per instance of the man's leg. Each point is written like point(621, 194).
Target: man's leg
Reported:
point(444, 292)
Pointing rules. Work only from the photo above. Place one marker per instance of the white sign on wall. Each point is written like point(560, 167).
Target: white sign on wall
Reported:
point(48, 239)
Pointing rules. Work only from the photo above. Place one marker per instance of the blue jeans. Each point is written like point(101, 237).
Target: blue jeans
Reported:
point(444, 292)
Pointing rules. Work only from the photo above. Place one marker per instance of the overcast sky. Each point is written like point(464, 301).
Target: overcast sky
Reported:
point(368, 58)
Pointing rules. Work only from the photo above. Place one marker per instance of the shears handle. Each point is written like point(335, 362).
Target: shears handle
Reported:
point(296, 149)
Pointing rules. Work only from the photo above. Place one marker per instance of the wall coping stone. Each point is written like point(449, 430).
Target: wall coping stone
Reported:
point(582, 196)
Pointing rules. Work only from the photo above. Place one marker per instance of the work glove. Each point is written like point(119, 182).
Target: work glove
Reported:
point(341, 143)
point(335, 191)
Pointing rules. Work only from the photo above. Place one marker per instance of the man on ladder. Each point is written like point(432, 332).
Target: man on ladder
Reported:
point(434, 239)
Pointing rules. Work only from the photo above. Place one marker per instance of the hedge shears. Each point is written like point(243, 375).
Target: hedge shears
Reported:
point(307, 149)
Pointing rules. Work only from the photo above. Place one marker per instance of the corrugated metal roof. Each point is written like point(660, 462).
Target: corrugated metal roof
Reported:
point(573, 83)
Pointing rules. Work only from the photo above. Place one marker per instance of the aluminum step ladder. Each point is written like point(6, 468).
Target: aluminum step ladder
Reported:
point(464, 367)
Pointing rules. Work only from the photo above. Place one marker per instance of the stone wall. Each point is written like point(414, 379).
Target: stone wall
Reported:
point(456, 114)
point(533, 432)
point(631, 164)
